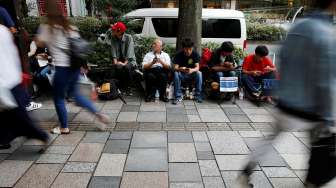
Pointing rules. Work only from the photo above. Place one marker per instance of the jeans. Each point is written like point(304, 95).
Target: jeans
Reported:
point(253, 84)
point(65, 81)
point(156, 78)
point(180, 77)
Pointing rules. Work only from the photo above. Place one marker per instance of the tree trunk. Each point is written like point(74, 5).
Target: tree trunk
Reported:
point(190, 23)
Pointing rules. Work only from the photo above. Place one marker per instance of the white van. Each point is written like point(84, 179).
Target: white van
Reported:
point(218, 25)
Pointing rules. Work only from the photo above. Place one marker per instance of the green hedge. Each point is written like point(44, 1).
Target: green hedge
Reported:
point(264, 32)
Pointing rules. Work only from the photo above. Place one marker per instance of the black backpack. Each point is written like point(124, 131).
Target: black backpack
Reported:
point(79, 50)
point(113, 92)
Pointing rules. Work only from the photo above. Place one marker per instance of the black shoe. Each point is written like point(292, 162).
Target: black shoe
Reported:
point(5, 146)
point(164, 99)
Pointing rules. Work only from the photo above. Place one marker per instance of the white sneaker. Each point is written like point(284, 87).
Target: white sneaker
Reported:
point(33, 106)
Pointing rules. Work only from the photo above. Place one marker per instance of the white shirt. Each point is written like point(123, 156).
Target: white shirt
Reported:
point(164, 57)
point(10, 72)
point(57, 43)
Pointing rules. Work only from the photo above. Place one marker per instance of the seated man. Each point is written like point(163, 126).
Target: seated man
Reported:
point(123, 56)
point(156, 65)
point(187, 67)
point(257, 67)
point(222, 63)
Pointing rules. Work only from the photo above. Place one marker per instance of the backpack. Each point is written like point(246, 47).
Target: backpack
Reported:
point(79, 50)
point(109, 91)
point(206, 57)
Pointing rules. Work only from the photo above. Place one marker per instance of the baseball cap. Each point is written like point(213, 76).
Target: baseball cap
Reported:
point(119, 26)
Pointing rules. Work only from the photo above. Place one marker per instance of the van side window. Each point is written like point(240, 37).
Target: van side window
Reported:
point(221, 28)
point(165, 27)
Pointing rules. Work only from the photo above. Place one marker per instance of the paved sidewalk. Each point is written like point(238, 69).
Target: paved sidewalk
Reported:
point(157, 145)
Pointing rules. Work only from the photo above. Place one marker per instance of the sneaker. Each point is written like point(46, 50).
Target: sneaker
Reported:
point(164, 99)
point(33, 106)
point(177, 101)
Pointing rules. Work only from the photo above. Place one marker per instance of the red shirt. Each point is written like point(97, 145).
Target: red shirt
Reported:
point(251, 65)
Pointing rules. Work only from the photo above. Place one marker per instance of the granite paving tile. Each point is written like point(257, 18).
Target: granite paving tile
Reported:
point(213, 115)
point(205, 155)
point(11, 171)
point(200, 136)
point(81, 153)
point(182, 152)
point(119, 135)
point(251, 134)
point(184, 172)
point(147, 160)
point(149, 140)
point(286, 143)
point(96, 137)
point(152, 117)
point(111, 165)
point(77, 167)
point(296, 161)
point(209, 168)
point(130, 108)
point(213, 182)
point(227, 142)
point(39, 176)
point(238, 118)
point(278, 172)
point(258, 179)
point(203, 146)
point(180, 137)
point(153, 107)
point(127, 117)
point(194, 118)
point(177, 117)
point(52, 158)
point(117, 146)
point(231, 162)
point(105, 182)
point(69, 140)
point(145, 179)
point(286, 182)
point(71, 180)
point(186, 185)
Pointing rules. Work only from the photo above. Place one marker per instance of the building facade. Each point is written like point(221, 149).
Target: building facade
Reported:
point(69, 7)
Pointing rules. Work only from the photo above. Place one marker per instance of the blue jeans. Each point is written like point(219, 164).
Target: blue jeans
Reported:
point(180, 77)
point(65, 81)
point(253, 84)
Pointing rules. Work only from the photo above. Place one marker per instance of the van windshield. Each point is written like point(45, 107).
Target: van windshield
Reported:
point(211, 28)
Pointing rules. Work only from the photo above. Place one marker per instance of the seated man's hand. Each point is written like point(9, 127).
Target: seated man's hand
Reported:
point(268, 69)
point(256, 73)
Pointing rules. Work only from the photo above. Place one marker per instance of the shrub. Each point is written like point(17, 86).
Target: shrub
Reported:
point(238, 53)
point(264, 32)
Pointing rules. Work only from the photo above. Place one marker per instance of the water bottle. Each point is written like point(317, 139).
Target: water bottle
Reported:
point(157, 95)
point(241, 94)
point(187, 93)
point(192, 93)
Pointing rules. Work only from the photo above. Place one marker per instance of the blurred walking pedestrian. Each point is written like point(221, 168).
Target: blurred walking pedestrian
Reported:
point(307, 92)
point(56, 35)
point(15, 121)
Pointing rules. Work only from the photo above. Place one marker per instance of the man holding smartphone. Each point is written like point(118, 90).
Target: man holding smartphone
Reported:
point(257, 67)
point(156, 65)
point(187, 68)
